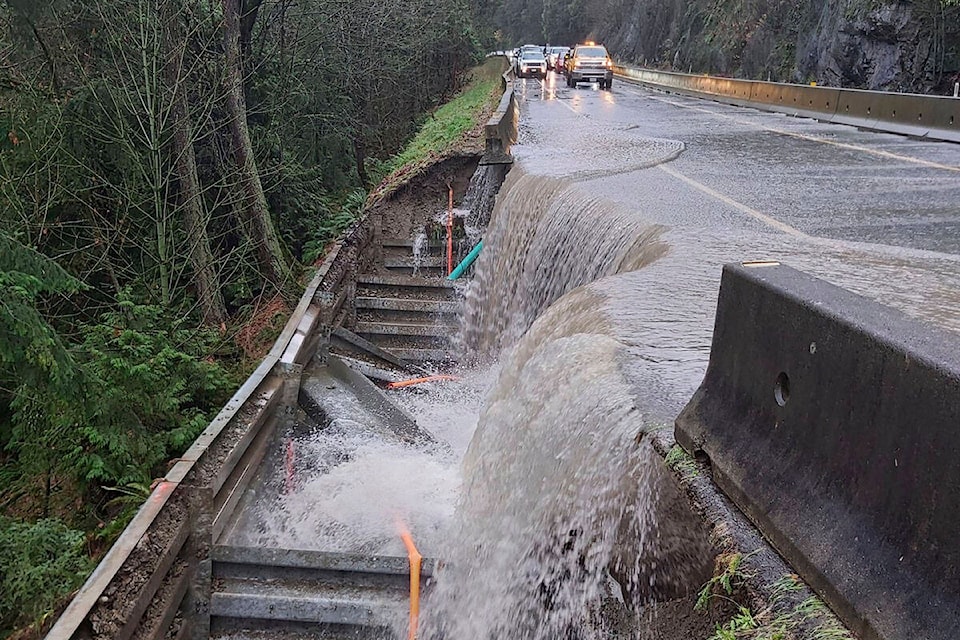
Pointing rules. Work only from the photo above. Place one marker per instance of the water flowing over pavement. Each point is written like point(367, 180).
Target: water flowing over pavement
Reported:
point(638, 198)
point(587, 325)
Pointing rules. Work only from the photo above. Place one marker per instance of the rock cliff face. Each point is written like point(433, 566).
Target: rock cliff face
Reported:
point(898, 46)
point(871, 44)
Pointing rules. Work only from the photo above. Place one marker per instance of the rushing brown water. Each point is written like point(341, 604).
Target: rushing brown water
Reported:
point(602, 320)
point(546, 239)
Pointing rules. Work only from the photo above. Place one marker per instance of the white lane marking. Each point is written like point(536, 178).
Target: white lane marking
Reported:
point(802, 136)
point(739, 206)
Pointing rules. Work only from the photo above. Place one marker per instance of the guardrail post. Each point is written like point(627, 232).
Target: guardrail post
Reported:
point(325, 300)
point(196, 603)
point(349, 282)
point(291, 375)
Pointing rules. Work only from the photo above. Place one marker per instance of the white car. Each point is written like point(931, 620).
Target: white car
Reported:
point(555, 58)
point(531, 65)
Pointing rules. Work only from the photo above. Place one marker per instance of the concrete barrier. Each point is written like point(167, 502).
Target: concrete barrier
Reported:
point(500, 131)
point(922, 116)
point(834, 423)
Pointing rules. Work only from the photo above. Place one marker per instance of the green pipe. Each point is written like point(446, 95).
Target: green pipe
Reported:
point(456, 273)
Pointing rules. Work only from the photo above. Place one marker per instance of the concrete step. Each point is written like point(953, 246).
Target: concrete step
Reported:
point(418, 354)
point(406, 243)
point(407, 304)
point(436, 330)
point(407, 286)
point(307, 602)
point(425, 272)
point(410, 262)
point(254, 629)
point(389, 316)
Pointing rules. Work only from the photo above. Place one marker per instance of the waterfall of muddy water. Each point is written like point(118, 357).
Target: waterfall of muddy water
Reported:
point(546, 238)
point(481, 195)
point(608, 319)
point(559, 500)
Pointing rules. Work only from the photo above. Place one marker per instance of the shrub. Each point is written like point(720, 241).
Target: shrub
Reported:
point(40, 563)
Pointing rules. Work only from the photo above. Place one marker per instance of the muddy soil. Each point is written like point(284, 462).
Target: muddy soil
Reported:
point(415, 205)
point(763, 584)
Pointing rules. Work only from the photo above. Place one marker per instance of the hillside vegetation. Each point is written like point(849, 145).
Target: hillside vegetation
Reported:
point(167, 167)
point(871, 44)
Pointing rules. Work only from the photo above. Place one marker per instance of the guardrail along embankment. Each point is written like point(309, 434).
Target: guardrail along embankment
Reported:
point(155, 580)
point(922, 116)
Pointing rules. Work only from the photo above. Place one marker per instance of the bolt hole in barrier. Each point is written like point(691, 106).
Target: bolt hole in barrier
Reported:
point(852, 473)
point(781, 391)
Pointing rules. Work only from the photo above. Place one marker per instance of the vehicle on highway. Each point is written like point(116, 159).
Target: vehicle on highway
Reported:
point(518, 53)
point(590, 62)
point(555, 58)
point(531, 64)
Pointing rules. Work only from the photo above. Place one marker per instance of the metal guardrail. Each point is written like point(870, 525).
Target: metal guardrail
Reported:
point(155, 580)
point(922, 116)
point(500, 131)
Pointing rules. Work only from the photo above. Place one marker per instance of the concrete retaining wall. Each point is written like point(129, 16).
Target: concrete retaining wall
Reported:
point(834, 423)
point(934, 117)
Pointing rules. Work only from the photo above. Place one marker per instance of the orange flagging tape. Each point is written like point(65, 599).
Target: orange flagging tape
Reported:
point(409, 383)
point(415, 562)
point(450, 230)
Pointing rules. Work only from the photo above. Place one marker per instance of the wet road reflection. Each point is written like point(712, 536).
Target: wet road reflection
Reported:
point(878, 214)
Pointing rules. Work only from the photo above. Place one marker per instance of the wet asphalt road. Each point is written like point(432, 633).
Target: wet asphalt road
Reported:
point(744, 169)
point(877, 214)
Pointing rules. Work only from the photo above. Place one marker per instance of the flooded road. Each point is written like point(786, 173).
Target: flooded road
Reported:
point(587, 325)
point(878, 214)
point(596, 294)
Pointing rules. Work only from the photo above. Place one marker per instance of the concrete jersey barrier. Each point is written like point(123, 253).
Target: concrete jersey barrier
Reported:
point(500, 131)
point(922, 116)
point(834, 423)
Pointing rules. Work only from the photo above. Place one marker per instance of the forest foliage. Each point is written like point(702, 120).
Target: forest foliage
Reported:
point(166, 166)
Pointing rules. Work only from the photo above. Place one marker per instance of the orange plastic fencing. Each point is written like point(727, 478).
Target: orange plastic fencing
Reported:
point(409, 383)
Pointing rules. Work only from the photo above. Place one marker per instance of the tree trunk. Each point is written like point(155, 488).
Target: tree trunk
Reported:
point(206, 278)
point(260, 226)
point(360, 157)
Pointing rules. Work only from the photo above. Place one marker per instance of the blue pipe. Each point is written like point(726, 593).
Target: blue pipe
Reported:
point(465, 264)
